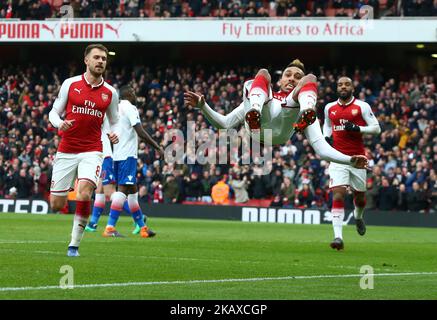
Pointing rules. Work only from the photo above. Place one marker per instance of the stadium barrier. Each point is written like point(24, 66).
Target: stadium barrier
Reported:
point(245, 214)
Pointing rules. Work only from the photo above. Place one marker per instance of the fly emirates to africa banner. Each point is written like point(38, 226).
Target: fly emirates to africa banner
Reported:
point(226, 30)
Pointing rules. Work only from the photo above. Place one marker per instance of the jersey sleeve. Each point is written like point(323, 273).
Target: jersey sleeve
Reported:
point(372, 123)
point(133, 116)
point(220, 121)
point(60, 104)
point(327, 124)
point(112, 111)
point(321, 147)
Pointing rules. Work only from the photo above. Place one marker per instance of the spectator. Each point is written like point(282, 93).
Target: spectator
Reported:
point(402, 204)
point(288, 192)
point(305, 197)
point(276, 181)
point(240, 185)
point(206, 184)
point(157, 192)
point(12, 193)
point(193, 187)
point(416, 199)
point(170, 190)
point(220, 192)
point(24, 185)
point(277, 201)
point(387, 196)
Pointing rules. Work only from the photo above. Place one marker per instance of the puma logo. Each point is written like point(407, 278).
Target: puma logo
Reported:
point(333, 112)
point(76, 89)
point(108, 26)
point(52, 30)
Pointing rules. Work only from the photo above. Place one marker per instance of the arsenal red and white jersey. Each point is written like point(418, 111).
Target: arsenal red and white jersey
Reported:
point(87, 105)
point(336, 115)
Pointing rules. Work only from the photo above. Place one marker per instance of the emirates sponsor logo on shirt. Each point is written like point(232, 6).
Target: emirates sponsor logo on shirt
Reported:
point(88, 109)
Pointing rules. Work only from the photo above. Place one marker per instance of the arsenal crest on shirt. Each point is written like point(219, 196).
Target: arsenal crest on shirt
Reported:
point(354, 112)
point(104, 97)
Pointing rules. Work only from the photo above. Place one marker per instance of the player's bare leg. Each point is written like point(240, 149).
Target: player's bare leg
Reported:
point(258, 96)
point(338, 217)
point(84, 192)
point(360, 204)
point(57, 202)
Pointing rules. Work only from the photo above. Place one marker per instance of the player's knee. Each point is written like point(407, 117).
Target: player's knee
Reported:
point(338, 194)
point(109, 189)
point(84, 194)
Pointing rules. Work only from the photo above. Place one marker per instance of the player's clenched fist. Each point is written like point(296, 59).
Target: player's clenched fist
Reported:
point(193, 99)
point(66, 124)
point(359, 162)
point(113, 137)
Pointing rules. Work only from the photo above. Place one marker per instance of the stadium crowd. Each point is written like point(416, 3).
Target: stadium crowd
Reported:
point(39, 10)
point(403, 158)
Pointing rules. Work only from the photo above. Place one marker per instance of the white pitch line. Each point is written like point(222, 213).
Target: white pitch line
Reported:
point(29, 241)
point(184, 282)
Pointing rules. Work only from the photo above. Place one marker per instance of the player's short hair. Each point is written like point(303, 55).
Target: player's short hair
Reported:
point(298, 64)
point(95, 46)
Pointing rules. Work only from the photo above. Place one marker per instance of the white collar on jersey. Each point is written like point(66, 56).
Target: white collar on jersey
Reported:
point(93, 86)
point(347, 103)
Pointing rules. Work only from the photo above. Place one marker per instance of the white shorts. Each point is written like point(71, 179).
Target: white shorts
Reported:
point(346, 175)
point(68, 167)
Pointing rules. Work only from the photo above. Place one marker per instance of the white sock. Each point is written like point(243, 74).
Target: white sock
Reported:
point(100, 198)
point(79, 224)
point(337, 222)
point(307, 100)
point(257, 98)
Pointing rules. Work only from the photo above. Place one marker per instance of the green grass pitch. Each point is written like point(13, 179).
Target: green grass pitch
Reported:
point(205, 259)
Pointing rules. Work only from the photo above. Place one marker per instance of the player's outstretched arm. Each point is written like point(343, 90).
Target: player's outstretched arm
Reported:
point(218, 120)
point(148, 139)
point(328, 153)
